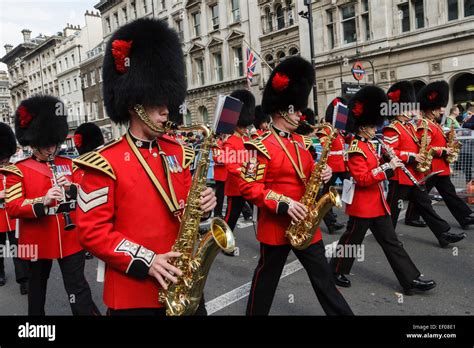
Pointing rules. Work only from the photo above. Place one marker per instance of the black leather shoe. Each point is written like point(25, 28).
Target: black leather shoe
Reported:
point(24, 288)
point(335, 227)
point(415, 223)
point(419, 285)
point(231, 254)
point(3, 280)
point(341, 280)
point(449, 237)
point(467, 221)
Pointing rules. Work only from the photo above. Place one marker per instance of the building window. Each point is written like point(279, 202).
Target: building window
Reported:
point(280, 17)
point(96, 109)
point(219, 72)
point(215, 16)
point(238, 61)
point(236, 10)
point(125, 14)
point(365, 19)
point(330, 28)
point(63, 90)
point(66, 63)
point(404, 15)
point(468, 8)
point(200, 70)
point(92, 78)
point(134, 9)
point(100, 75)
point(197, 23)
point(179, 29)
point(204, 115)
point(73, 60)
point(269, 20)
point(294, 51)
point(348, 24)
point(145, 6)
point(281, 56)
point(116, 19)
point(69, 86)
point(60, 67)
point(453, 12)
point(108, 28)
point(163, 4)
point(75, 84)
point(419, 14)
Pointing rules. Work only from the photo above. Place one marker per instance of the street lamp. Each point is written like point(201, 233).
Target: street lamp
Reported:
point(308, 15)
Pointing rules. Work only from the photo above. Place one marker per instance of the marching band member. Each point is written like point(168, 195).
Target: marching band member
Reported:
point(433, 99)
point(369, 209)
point(336, 161)
point(41, 123)
point(7, 225)
point(275, 181)
point(401, 136)
point(262, 120)
point(134, 189)
point(220, 174)
point(234, 156)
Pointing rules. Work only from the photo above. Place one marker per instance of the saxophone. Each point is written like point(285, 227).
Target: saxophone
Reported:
point(425, 166)
point(453, 144)
point(197, 252)
point(301, 234)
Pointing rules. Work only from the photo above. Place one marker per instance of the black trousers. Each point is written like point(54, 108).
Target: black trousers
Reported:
point(21, 266)
point(270, 266)
point(331, 218)
point(397, 193)
point(235, 206)
point(219, 197)
point(458, 208)
point(75, 283)
point(384, 233)
point(160, 312)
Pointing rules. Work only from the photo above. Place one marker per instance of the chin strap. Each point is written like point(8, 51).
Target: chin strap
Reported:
point(285, 116)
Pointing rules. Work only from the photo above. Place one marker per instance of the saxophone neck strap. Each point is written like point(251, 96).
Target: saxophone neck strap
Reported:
point(298, 168)
point(171, 202)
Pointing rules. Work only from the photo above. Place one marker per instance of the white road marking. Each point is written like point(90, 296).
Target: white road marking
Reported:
point(243, 291)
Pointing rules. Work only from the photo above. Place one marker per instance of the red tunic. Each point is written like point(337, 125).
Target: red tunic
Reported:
point(27, 184)
point(364, 166)
point(267, 180)
point(437, 142)
point(6, 223)
point(336, 158)
point(123, 219)
point(234, 156)
point(403, 139)
point(220, 172)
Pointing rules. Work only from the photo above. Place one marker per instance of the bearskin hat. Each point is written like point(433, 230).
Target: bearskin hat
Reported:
point(308, 116)
point(365, 108)
point(143, 64)
point(7, 141)
point(88, 137)
point(401, 93)
point(260, 117)
point(330, 109)
point(289, 86)
point(434, 95)
point(247, 114)
point(41, 121)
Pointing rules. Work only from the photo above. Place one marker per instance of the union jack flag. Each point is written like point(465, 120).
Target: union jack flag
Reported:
point(251, 65)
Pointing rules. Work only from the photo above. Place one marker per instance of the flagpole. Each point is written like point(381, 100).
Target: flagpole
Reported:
point(258, 55)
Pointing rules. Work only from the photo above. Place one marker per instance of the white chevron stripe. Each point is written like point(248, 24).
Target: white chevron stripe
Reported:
point(390, 140)
point(88, 201)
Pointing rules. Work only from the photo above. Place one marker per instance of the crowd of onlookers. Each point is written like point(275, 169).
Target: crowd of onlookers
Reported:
point(461, 116)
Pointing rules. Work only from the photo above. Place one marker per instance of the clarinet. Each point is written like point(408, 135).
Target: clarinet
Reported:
point(391, 154)
point(68, 224)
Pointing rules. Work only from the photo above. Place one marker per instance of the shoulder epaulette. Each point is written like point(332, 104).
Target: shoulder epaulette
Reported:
point(13, 169)
point(393, 125)
point(307, 141)
point(95, 160)
point(188, 156)
point(109, 144)
point(354, 148)
point(258, 144)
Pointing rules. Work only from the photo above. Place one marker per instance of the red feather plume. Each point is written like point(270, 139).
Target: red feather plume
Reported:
point(120, 52)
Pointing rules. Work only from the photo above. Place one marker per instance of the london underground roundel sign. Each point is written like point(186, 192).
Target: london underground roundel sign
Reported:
point(358, 71)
